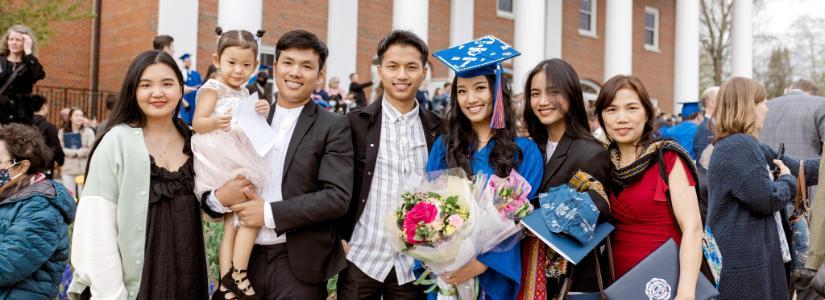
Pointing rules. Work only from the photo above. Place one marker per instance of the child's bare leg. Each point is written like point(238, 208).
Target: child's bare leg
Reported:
point(244, 241)
point(227, 245)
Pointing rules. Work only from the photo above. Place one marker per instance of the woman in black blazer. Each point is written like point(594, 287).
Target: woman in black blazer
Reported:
point(557, 122)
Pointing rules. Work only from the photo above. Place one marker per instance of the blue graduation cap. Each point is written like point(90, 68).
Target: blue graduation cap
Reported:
point(481, 57)
point(688, 108)
point(185, 56)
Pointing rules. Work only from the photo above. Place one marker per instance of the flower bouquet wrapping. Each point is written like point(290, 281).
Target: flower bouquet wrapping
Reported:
point(432, 225)
point(449, 221)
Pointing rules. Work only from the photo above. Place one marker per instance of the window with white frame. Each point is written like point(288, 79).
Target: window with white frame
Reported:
point(504, 9)
point(651, 29)
point(587, 17)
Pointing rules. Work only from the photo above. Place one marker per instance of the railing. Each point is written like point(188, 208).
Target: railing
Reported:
point(92, 103)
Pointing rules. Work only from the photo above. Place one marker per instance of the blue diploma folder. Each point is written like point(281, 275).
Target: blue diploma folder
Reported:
point(71, 140)
point(566, 246)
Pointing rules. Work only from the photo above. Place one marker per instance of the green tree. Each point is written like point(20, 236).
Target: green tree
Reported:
point(779, 73)
point(39, 14)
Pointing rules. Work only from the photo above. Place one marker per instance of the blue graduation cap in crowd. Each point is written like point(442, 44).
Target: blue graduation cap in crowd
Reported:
point(481, 57)
point(185, 56)
point(688, 108)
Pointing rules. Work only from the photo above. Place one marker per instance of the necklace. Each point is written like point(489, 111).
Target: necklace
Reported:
point(159, 154)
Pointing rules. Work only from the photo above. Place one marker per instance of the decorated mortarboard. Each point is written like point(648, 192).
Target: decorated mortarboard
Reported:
point(481, 57)
point(185, 56)
point(689, 108)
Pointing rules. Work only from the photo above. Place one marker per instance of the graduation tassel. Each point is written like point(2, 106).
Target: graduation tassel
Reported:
point(497, 121)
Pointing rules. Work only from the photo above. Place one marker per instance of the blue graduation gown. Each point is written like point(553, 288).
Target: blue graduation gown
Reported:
point(683, 134)
point(193, 79)
point(503, 276)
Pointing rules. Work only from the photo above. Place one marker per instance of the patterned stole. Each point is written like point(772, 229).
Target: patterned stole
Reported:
point(627, 175)
point(533, 264)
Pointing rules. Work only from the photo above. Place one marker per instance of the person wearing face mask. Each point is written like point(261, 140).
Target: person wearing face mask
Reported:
point(19, 71)
point(35, 213)
point(639, 198)
point(746, 211)
point(261, 85)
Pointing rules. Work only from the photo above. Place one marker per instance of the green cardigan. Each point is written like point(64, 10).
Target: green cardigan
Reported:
point(115, 202)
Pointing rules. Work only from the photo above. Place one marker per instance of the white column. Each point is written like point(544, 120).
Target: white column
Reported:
point(461, 21)
point(742, 39)
point(686, 69)
point(618, 41)
point(552, 48)
point(179, 19)
point(342, 40)
point(245, 14)
point(412, 15)
point(529, 38)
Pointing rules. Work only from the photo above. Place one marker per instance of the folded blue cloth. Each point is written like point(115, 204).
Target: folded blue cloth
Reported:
point(570, 212)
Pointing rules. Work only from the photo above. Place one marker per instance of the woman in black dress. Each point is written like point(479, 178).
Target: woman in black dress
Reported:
point(138, 233)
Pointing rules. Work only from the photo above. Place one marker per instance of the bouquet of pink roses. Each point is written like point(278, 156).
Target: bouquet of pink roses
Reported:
point(429, 218)
point(434, 225)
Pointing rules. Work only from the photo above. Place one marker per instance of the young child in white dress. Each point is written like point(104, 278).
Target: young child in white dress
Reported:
point(222, 151)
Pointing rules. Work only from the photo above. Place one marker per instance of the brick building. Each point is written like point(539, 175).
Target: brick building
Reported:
point(600, 38)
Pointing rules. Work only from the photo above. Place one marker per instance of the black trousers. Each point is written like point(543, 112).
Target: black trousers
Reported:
point(273, 278)
point(354, 284)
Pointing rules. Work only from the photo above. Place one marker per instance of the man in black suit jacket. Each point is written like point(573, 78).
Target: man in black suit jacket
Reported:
point(357, 88)
point(298, 248)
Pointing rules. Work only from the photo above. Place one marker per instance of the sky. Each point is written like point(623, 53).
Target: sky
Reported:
point(776, 16)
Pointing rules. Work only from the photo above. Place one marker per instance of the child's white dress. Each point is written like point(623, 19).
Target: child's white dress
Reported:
point(222, 155)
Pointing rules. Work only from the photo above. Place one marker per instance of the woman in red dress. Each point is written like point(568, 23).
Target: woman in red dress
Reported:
point(639, 194)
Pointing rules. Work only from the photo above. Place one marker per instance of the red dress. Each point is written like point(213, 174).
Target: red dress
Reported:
point(643, 219)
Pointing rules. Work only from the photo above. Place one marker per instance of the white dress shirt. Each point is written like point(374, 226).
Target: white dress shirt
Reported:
point(283, 122)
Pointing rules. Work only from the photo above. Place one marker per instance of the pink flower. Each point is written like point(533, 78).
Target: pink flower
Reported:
point(409, 230)
point(509, 207)
point(422, 211)
point(456, 221)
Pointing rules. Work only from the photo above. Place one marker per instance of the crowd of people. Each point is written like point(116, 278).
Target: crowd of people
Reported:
point(313, 201)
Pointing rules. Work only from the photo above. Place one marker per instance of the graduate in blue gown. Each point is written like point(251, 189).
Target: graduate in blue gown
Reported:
point(480, 137)
point(192, 81)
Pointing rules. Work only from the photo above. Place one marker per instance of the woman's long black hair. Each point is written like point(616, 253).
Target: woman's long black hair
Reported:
point(461, 140)
point(126, 109)
point(559, 75)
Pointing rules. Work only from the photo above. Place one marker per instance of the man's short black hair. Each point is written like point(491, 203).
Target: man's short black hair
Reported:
point(302, 39)
point(691, 116)
point(403, 37)
point(162, 41)
point(37, 102)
